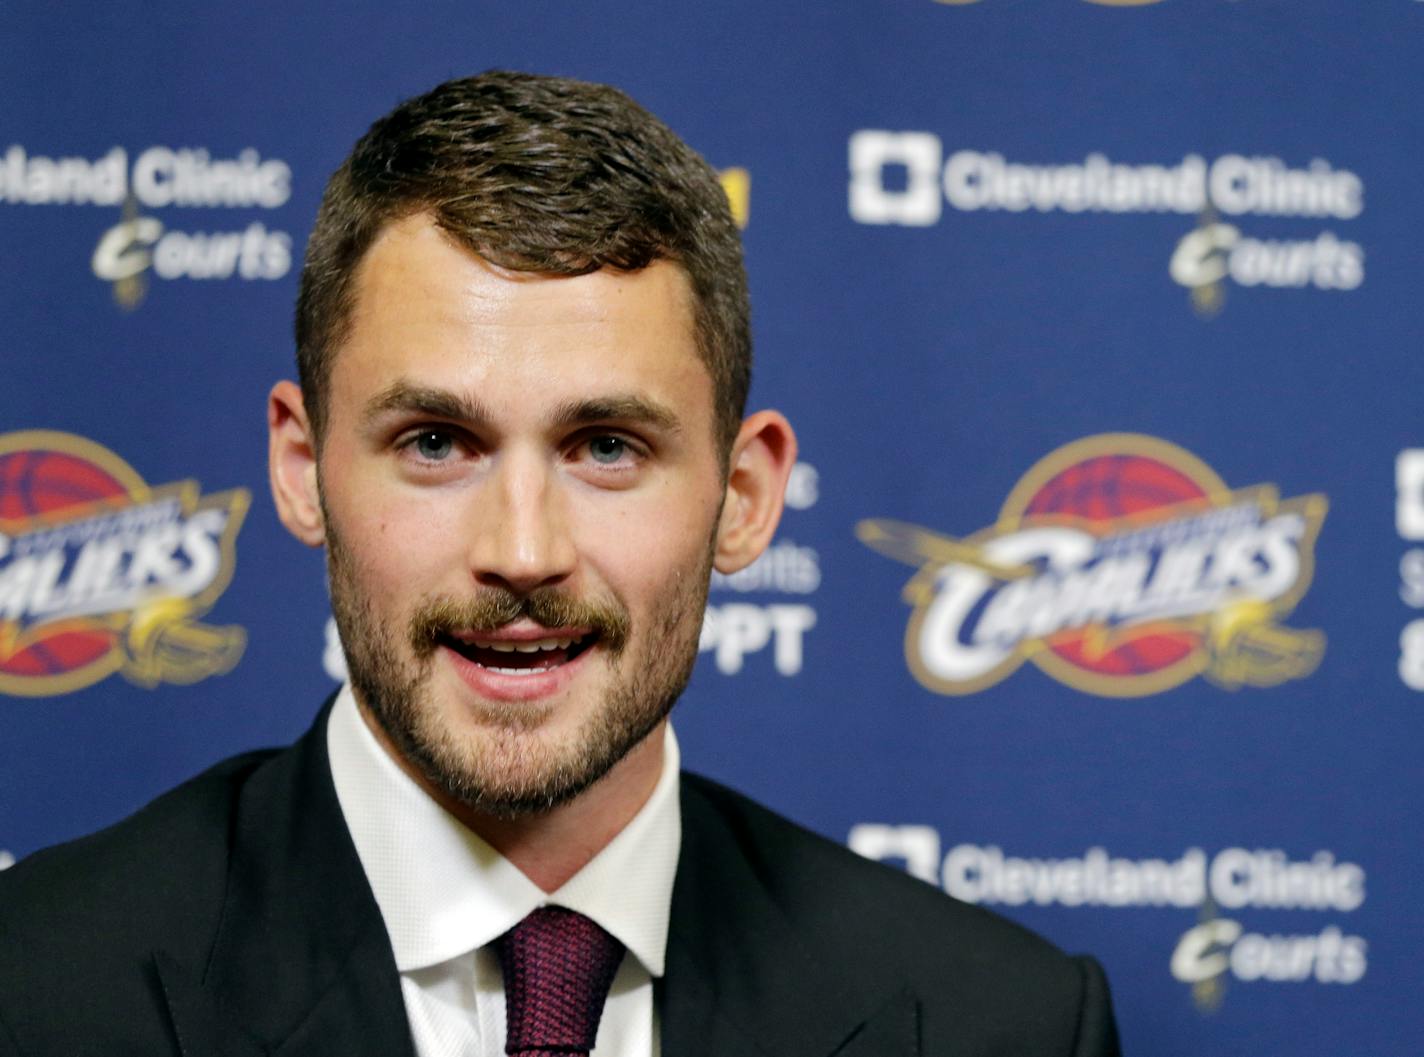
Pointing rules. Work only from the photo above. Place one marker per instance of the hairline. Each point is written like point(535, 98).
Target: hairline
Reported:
point(724, 432)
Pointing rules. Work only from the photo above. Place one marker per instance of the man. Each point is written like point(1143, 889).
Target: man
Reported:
point(524, 352)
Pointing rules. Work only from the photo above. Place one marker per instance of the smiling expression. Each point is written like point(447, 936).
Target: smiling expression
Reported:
point(521, 488)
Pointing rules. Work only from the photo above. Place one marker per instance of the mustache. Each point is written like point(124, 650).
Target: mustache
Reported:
point(495, 607)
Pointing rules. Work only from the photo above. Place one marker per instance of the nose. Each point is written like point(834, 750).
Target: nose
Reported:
point(521, 538)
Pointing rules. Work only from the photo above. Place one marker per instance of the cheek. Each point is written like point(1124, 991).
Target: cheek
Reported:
point(399, 545)
point(644, 552)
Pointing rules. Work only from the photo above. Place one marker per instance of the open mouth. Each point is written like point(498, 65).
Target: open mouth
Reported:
point(514, 657)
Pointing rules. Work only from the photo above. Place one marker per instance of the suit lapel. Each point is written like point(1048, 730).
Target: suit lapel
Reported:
point(198, 1022)
point(301, 963)
point(741, 978)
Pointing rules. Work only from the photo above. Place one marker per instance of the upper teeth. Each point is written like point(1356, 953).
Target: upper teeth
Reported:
point(532, 646)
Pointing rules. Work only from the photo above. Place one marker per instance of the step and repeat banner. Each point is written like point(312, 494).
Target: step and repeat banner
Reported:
point(1099, 599)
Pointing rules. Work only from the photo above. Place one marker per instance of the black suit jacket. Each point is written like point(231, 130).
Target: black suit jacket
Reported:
point(232, 918)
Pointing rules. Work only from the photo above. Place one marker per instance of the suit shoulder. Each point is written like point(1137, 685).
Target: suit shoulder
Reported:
point(170, 854)
point(980, 983)
point(80, 922)
point(856, 905)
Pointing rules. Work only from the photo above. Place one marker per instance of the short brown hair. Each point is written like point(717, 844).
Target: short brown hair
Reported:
point(535, 174)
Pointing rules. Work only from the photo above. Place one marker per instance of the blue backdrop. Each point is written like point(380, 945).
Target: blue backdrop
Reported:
point(1096, 601)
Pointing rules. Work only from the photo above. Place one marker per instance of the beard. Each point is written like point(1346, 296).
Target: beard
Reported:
point(508, 767)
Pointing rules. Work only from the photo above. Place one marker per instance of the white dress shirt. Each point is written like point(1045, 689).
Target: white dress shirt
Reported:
point(446, 895)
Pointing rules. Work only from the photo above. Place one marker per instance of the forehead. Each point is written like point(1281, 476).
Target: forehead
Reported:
point(424, 305)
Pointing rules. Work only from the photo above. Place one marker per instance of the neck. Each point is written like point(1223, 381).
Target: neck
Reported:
point(551, 846)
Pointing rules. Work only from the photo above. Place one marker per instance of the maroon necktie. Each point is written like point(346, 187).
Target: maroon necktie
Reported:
point(558, 966)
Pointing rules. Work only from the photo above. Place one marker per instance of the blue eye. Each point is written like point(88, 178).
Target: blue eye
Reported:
point(434, 445)
point(607, 449)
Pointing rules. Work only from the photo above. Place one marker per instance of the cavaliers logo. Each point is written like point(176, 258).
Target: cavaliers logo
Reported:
point(101, 573)
point(1121, 565)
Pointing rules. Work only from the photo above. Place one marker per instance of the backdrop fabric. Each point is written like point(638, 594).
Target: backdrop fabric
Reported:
point(1098, 597)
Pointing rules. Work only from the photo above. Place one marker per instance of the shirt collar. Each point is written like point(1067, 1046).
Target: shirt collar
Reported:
point(443, 892)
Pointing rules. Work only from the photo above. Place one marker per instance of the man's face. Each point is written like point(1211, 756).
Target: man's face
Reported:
point(521, 488)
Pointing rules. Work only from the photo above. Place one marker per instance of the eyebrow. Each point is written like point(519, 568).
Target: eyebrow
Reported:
point(617, 408)
point(406, 398)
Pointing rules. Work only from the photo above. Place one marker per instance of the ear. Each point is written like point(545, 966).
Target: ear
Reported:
point(291, 464)
point(761, 461)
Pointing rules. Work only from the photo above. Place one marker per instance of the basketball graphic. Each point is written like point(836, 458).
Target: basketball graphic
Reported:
point(1133, 480)
point(73, 515)
point(39, 481)
point(1105, 487)
point(1121, 565)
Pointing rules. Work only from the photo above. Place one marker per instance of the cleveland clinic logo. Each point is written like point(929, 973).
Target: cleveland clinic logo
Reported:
point(908, 179)
point(1120, 565)
point(1230, 890)
point(143, 245)
point(101, 573)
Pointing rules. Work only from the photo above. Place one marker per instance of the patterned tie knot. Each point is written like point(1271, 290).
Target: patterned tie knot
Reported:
point(558, 966)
